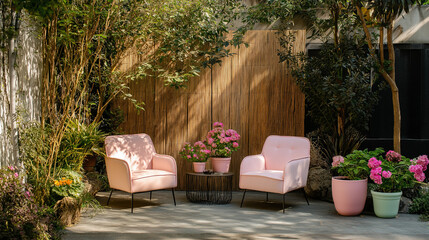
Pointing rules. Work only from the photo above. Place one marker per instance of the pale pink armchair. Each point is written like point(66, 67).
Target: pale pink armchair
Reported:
point(280, 168)
point(133, 166)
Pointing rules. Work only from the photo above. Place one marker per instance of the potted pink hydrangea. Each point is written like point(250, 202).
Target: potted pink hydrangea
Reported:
point(390, 176)
point(222, 144)
point(196, 153)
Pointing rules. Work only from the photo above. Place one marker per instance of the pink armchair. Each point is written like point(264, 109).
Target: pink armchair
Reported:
point(282, 167)
point(133, 166)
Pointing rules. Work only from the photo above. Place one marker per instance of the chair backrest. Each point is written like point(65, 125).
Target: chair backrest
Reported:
point(136, 149)
point(278, 150)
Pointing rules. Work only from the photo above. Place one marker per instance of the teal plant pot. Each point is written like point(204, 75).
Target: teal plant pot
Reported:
point(386, 205)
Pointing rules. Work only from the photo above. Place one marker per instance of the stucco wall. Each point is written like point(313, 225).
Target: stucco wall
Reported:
point(28, 67)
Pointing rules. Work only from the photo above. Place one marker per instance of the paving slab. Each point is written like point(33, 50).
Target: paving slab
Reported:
point(258, 219)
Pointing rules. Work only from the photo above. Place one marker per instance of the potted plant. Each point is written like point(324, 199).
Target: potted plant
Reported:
point(222, 144)
point(197, 154)
point(390, 176)
point(349, 189)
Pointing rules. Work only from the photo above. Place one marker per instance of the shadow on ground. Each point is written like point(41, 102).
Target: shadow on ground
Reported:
point(160, 219)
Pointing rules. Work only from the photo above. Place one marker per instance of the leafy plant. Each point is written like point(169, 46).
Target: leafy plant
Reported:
point(420, 205)
point(396, 172)
point(355, 165)
point(222, 142)
point(20, 216)
point(79, 141)
point(68, 184)
point(198, 152)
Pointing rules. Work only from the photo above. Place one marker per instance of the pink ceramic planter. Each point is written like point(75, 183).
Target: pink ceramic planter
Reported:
point(199, 167)
point(349, 195)
point(220, 165)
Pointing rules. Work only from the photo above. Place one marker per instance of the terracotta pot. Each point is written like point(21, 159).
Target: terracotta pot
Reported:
point(199, 166)
point(349, 195)
point(220, 165)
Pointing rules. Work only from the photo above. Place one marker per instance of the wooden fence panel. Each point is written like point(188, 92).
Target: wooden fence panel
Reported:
point(250, 92)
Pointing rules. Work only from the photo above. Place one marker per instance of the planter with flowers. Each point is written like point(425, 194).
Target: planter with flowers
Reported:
point(196, 153)
point(349, 189)
point(222, 144)
point(390, 176)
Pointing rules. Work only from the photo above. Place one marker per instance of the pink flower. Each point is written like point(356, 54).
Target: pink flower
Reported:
point(416, 169)
point(419, 177)
point(386, 174)
point(235, 144)
point(207, 151)
point(337, 160)
point(393, 156)
point(423, 161)
point(16, 175)
point(11, 168)
point(195, 155)
point(210, 141)
point(376, 175)
point(28, 193)
point(373, 163)
point(217, 124)
point(214, 145)
point(189, 156)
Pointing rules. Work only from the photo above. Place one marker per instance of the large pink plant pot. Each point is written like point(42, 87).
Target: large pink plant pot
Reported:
point(220, 165)
point(199, 166)
point(349, 195)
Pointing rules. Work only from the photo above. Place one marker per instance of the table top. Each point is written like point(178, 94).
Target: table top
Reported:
point(216, 174)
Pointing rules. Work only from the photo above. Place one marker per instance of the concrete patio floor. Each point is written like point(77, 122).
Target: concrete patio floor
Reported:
point(160, 219)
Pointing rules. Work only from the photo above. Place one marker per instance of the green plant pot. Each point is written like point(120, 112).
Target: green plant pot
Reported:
point(386, 205)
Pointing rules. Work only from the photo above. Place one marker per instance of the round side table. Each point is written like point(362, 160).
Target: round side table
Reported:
point(215, 188)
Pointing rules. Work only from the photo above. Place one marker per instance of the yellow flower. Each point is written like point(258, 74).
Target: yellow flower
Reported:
point(56, 183)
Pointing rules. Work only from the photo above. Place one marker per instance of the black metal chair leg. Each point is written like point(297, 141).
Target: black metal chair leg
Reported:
point(266, 200)
point(284, 203)
point(242, 200)
point(132, 202)
point(174, 198)
point(108, 200)
point(150, 198)
point(305, 195)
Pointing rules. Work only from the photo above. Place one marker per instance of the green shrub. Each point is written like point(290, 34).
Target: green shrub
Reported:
point(420, 205)
point(20, 216)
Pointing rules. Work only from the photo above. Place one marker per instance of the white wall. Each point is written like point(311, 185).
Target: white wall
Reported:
point(29, 68)
point(413, 27)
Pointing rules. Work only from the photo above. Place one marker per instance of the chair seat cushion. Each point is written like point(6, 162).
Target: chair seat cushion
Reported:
point(265, 180)
point(150, 173)
point(149, 180)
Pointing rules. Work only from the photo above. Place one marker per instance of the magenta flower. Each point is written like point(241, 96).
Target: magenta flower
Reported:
point(393, 156)
point(337, 160)
point(419, 176)
point(235, 144)
point(16, 175)
point(386, 174)
point(189, 156)
point(373, 163)
point(11, 168)
point(217, 124)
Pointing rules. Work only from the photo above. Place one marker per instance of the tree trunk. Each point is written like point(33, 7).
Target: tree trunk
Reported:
point(395, 92)
point(390, 78)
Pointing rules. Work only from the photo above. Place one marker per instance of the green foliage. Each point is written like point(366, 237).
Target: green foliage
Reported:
point(68, 184)
point(355, 165)
point(34, 148)
point(79, 141)
point(197, 152)
point(420, 205)
point(20, 216)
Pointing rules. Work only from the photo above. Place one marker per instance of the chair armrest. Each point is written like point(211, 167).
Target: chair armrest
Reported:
point(118, 173)
point(164, 162)
point(296, 173)
point(252, 163)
